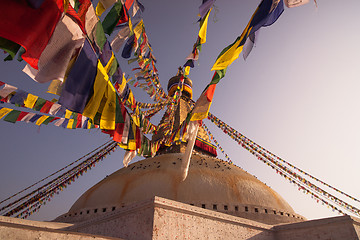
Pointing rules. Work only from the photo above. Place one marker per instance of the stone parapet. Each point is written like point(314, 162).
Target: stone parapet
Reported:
point(19, 229)
point(343, 227)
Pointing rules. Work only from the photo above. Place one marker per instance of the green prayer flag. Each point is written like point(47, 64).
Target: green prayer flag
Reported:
point(10, 47)
point(114, 66)
point(100, 37)
point(113, 18)
point(219, 74)
point(74, 123)
point(46, 122)
point(12, 116)
point(39, 104)
point(119, 109)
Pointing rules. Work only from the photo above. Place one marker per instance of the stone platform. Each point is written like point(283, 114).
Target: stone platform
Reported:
point(160, 218)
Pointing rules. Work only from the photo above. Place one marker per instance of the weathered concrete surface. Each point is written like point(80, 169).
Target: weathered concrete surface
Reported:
point(51, 225)
point(130, 222)
point(18, 229)
point(160, 218)
point(175, 220)
point(344, 227)
point(212, 183)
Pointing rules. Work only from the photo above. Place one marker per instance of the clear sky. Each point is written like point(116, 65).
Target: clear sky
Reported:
point(297, 95)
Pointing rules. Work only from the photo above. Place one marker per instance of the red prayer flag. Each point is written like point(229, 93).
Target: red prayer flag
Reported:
point(56, 118)
point(128, 4)
point(78, 124)
point(29, 27)
point(21, 116)
point(210, 92)
point(79, 19)
point(46, 107)
point(125, 15)
point(138, 138)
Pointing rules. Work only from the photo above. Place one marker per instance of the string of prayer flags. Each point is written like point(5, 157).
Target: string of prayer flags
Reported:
point(137, 42)
point(58, 171)
point(233, 132)
point(204, 12)
point(217, 143)
point(36, 25)
point(31, 202)
point(271, 160)
point(13, 116)
point(263, 18)
point(20, 98)
point(87, 94)
point(268, 9)
point(203, 27)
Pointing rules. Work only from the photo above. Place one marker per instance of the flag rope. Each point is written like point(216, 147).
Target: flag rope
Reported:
point(39, 196)
point(270, 160)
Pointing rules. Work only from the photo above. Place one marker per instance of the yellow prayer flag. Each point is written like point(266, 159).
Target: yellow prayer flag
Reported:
point(70, 123)
point(135, 117)
point(203, 28)
point(130, 25)
point(55, 87)
point(4, 111)
point(107, 120)
point(201, 108)
point(234, 51)
point(89, 124)
point(30, 100)
point(132, 142)
point(187, 70)
point(131, 145)
point(110, 62)
point(228, 56)
point(131, 99)
point(68, 114)
point(100, 9)
point(138, 29)
point(41, 120)
point(123, 84)
point(100, 84)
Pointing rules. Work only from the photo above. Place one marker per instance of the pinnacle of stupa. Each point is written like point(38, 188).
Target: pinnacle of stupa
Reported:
point(181, 110)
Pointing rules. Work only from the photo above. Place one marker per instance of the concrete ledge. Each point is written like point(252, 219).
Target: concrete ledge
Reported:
point(343, 227)
point(208, 214)
point(27, 231)
point(50, 225)
point(314, 223)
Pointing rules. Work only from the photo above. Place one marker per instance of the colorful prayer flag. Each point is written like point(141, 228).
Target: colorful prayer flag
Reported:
point(54, 60)
point(29, 27)
point(78, 87)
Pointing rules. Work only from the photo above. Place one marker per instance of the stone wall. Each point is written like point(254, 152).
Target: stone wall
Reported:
point(160, 218)
point(18, 229)
point(344, 227)
point(357, 226)
point(174, 220)
point(131, 222)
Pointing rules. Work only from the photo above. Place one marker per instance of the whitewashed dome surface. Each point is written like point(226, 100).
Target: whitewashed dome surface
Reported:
point(211, 183)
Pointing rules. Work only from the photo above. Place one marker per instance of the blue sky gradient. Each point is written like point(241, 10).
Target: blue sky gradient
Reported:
point(297, 95)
